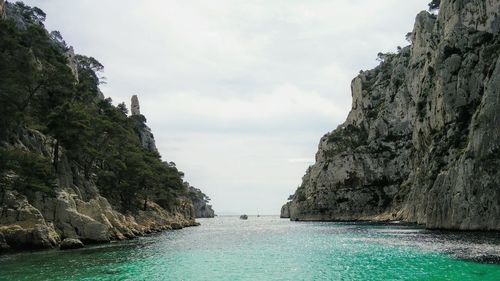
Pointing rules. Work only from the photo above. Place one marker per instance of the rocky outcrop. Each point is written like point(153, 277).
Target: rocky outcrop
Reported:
point(70, 55)
point(54, 192)
point(200, 203)
point(203, 210)
point(23, 226)
point(135, 108)
point(421, 143)
point(70, 243)
point(142, 130)
point(76, 210)
point(22, 15)
point(2, 9)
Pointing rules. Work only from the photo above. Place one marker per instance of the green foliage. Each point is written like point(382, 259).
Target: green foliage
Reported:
point(39, 90)
point(300, 194)
point(34, 76)
point(30, 15)
point(89, 74)
point(123, 108)
point(196, 195)
point(434, 5)
point(349, 137)
point(409, 37)
point(25, 172)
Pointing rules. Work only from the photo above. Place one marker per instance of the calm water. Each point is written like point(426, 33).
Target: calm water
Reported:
point(268, 248)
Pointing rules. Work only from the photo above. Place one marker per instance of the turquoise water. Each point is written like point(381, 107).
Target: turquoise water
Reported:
point(268, 248)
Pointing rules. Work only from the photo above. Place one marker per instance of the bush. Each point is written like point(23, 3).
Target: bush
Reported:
point(434, 5)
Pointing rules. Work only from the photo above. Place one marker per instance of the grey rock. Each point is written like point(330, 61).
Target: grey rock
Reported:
point(72, 63)
point(135, 109)
point(285, 211)
point(71, 243)
point(421, 142)
point(142, 130)
point(76, 211)
point(200, 203)
point(2, 9)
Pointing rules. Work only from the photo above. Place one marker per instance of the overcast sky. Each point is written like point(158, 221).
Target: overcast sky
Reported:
point(237, 92)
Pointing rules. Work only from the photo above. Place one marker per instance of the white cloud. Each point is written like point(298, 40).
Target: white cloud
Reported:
point(285, 100)
point(237, 92)
point(301, 160)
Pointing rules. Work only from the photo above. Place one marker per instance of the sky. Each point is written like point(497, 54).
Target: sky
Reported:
point(237, 92)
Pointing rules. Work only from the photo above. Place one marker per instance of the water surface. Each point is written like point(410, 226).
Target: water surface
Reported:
point(268, 248)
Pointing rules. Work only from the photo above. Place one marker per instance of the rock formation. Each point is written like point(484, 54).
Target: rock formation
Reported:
point(422, 140)
point(70, 55)
point(54, 193)
point(142, 130)
point(76, 211)
point(200, 203)
point(2, 9)
point(135, 109)
point(70, 243)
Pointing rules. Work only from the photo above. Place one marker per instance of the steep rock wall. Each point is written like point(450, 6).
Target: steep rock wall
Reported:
point(421, 142)
point(200, 203)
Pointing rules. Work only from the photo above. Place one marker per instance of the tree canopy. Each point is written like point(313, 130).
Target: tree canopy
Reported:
point(434, 5)
point(39, 91)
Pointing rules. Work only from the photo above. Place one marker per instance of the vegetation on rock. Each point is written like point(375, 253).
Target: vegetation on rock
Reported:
point(39, 91)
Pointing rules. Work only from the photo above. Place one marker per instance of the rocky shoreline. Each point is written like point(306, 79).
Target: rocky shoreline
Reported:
point(74, 168)
point(24, 227)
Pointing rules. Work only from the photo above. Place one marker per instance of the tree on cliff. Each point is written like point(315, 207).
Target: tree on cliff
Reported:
point(25, 172)
point(434, 5)
point(39, 93)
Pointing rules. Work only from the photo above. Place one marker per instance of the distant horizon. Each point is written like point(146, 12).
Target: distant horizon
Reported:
point(234, 214)
point(236, 93)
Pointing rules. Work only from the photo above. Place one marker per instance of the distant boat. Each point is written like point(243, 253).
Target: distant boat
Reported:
point(243, 217)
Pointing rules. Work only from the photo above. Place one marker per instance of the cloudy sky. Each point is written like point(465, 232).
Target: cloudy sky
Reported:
point(237, 92)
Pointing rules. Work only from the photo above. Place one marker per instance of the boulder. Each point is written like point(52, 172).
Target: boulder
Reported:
point(71, 243)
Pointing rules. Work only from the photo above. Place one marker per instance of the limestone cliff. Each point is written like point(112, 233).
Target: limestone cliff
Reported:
point(142, 130)
point(73, 167)
point(76, 209)
point(200, 203)
point(422, 141)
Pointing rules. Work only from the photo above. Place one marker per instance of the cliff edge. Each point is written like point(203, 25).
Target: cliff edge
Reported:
point(422, 140)
point(73, 167)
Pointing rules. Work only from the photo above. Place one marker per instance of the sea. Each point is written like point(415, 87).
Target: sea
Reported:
point(270, 248)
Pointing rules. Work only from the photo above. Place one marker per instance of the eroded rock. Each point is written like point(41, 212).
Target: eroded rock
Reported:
point(71, 243)
point(421, 142)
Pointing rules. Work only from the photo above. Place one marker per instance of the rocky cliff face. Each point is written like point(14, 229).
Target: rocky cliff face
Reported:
point(142, 130)
point(200, 203)
point(49, 197)
point(76, 210)
point(2, 9)
point(422, 140)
